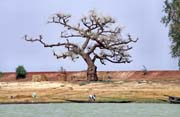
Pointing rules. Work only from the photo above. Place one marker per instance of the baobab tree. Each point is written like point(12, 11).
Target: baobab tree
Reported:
point(101, 40)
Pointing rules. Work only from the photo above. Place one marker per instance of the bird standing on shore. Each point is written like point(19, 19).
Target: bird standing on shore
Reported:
point(92, 98)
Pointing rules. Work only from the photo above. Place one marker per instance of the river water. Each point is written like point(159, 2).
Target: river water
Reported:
point(90, 110)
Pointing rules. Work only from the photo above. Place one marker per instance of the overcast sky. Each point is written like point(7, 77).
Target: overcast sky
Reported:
point(141, 18)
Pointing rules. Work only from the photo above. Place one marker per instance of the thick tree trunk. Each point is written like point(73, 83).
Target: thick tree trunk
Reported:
point(92, 69)
point(92, 73)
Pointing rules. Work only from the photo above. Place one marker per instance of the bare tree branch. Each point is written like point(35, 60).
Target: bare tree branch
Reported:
point(49, 45)
point(101, 37)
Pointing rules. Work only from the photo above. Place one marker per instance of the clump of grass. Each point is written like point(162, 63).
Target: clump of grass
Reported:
point(150, 101)
point(83, 83)
point(114, 100)
point(62, 85)
point(105, 81)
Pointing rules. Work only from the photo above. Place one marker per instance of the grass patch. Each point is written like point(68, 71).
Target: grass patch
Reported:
point(84, 83)
point(62, 85)
point(150, 101)
point(126, 100)
point(113, 100)
point(102, 81)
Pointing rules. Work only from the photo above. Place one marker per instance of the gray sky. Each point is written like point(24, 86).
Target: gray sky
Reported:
point(141, 18)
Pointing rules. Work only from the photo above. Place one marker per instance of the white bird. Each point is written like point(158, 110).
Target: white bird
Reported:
point(92, 98)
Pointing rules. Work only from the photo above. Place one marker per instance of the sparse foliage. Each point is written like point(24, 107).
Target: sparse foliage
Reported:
point(101, 40)
point(62, 69)
point(144, 70)
point(172, 19)
point(63, 73)
point(20, 72)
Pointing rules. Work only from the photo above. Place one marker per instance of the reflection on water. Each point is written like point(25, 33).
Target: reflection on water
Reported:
point(90, 110)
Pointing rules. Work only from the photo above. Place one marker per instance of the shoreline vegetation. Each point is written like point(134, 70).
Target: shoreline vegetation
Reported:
point(123, 87)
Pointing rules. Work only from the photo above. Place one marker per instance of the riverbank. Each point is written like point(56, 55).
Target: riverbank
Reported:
point(140, 91)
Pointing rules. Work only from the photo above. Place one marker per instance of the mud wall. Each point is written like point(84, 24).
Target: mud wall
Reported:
point(103, 75)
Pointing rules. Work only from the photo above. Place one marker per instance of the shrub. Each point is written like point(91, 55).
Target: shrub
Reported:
point(144, 70)
point(63, 74)
point(20, 72)
point(1, 74)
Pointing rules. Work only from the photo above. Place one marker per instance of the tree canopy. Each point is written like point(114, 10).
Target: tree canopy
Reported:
point(172, 19)
point(101, 40)
point(20, 72)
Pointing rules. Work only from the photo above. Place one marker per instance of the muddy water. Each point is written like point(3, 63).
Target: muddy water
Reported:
point(90, 110)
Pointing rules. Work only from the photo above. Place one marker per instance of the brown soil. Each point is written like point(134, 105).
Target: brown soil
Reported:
point(134, 86)
point(103, 75)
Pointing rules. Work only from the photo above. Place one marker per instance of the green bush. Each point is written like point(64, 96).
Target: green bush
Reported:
point(20, 72)
point(1, 74)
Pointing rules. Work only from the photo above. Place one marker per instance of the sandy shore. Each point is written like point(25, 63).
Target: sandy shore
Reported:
point(116, 91)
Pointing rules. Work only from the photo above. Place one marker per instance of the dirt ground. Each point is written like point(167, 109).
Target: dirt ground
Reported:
point(114, 86)
point(59, 91)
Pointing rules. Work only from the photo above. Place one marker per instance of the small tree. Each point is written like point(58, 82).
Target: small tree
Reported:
point(20, 72)
point(101, 40)
point(172, 19)
point(144, 70)
point(63, 73)
point(1, 74)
